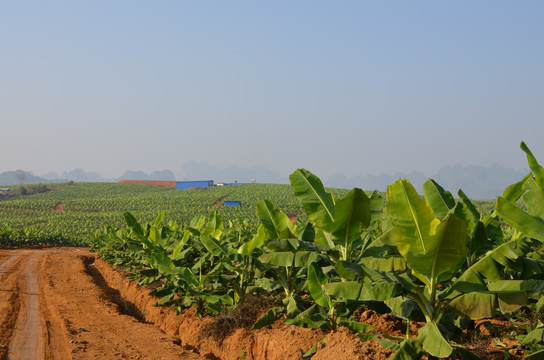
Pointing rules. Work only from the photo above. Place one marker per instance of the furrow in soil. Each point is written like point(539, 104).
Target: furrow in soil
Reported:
point(28, 339)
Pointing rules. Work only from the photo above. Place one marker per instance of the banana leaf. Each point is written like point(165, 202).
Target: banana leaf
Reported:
point(318, 203)
point(352, 216)
point(316, 279)
point(273, 220)
point(522, 221)
point(537, 170)
point(433, 248)
point(410, 349)
point(433, 342)
point(490, 267)
point(440, 200)
point(475, 305)
point(214, 227)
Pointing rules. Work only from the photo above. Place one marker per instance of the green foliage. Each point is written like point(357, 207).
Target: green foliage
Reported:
point(435, 257)
point(88, 207)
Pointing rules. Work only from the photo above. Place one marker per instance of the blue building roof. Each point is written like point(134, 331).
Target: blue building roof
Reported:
point(232, 203)
point(181, 185)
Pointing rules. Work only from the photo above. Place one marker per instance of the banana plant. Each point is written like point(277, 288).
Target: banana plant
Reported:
point(234, 271)
point(530, 221)
point(479, 243)
point(442, 203)
point(531, 188)
point(186, 285)
point(336, 308)
point(339, 223)
point(287, 261)
point(435, 249)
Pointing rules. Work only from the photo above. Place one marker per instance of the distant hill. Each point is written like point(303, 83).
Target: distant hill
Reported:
point(375, 182)
point(80, 175)
point(162, 175)
point(478, 182)
point(20, 177)
point(135, 175)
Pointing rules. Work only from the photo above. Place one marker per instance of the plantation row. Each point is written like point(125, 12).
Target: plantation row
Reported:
point(433, 258)
point(37, 219)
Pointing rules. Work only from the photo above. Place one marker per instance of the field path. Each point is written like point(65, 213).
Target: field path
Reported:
point(55, 305)
point(28, 339)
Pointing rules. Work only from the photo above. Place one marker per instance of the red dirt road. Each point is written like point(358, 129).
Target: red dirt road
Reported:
point(54, 306)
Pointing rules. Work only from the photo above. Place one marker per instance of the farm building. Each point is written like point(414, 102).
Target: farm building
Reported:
point(180, 185)
point(4, 190)
point(232, 203)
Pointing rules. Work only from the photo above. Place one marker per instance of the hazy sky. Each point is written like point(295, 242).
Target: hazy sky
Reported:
point(352, 87)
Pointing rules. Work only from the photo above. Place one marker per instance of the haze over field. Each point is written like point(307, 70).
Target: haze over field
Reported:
point(353, 88)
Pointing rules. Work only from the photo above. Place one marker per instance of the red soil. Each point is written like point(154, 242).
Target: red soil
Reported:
point(51, 307)
point(219, 201)
point(68, 304)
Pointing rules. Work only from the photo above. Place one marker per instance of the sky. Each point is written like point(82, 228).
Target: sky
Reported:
point(350, 87)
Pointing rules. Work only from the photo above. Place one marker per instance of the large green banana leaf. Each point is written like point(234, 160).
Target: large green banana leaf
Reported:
point(475, 305)
point(522, 221)
point(352, 216)
point(440, 200)
point(316, 279)
point(197, 222)
point(214, 227)
point(318, 203)
point(134, 224)
point(534, 166)
point(272, 219)
point(490, 267)
point(377, 203)
point(181, 243)
point(213, 246)
point(256, 242)
point(530, 222)
point(433, 342)
point(513, 192)
point(534, 198)
point(433, 248)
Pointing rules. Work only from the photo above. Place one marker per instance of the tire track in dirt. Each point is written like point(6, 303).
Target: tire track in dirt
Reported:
point(27, 341)
point(26, 323)
point(52, 307)
point(11, 258)
point(9, 297)
point(56, 342)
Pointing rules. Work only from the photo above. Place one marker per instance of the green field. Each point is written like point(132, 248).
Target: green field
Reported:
point(30, 214)
point(34, 219)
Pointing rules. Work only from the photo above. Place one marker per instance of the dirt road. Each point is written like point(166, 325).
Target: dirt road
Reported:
point(55, 305)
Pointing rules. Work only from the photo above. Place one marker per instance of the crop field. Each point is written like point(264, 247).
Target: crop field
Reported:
point(348, 274)
point(69, 213)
